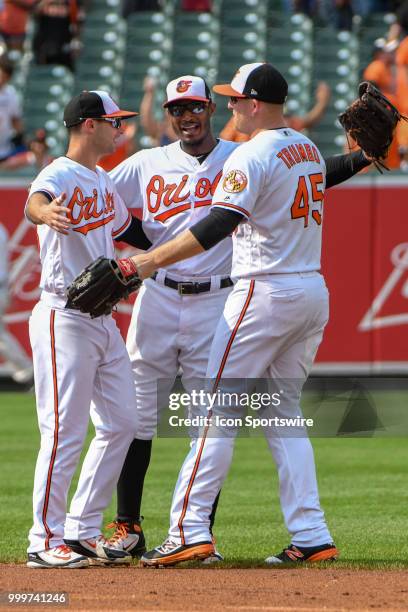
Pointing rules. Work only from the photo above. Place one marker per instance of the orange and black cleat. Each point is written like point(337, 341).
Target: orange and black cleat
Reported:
point(299, 554)
point(170, 553)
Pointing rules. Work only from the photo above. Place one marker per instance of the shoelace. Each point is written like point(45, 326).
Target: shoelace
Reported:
point(121, 531)
point(167, 546)
point(64, 549)
point(293, 553)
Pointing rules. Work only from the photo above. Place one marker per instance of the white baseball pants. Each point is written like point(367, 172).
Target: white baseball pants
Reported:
point(271, 325)
point(167, 332)
point(81, 369)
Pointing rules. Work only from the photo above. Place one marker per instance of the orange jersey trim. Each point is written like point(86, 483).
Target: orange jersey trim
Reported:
point(56, 426)
point(234, 206)
point(124, 227)
point(217, 380)
point(174, 211)
point(84, 229)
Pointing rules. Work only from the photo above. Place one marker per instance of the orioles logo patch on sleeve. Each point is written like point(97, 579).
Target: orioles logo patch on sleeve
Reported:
point(235, 181)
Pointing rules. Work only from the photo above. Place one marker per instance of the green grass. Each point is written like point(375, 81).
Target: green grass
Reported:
point(363, 488)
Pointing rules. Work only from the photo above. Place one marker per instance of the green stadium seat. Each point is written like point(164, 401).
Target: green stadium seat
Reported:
point(290, 49)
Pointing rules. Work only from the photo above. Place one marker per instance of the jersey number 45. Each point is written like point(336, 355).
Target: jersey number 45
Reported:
point(300, 208)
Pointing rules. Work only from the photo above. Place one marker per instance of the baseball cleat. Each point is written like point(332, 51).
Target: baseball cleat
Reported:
point(216, 557)
point(299, 554)
point(170, 552)
point(61, 556)
point(128, 537)
point(99, 551)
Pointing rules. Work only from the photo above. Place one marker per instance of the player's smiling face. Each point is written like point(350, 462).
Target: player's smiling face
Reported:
point(190, 120)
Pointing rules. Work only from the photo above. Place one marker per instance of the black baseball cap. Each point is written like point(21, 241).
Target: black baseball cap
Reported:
point(93, 105)
point(260, 81)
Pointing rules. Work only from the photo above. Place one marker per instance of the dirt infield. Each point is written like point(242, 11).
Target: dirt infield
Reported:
point(213, 589)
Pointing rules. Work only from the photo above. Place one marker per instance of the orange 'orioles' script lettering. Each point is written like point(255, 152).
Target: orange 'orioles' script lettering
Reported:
point(85, 208)
point(174, 196)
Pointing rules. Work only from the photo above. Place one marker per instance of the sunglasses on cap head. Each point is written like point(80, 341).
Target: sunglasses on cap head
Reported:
point(178, 110)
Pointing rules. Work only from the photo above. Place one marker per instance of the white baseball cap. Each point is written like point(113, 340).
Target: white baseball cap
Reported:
point(187, 88)
point(260, 81)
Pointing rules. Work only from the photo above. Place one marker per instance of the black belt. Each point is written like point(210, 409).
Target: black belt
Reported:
point(191, 288)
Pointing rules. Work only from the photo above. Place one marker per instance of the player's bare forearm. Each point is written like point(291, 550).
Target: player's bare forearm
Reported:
point(40, 211)
point(182, 247)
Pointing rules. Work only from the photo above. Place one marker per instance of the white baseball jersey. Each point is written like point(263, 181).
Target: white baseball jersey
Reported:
point(270, 329)
point(97, 216)
point(174, 191)
point(9, 109)
point(283, 231)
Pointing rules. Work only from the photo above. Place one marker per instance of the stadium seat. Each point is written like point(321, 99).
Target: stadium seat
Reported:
point(47, 91)
point(290, 49)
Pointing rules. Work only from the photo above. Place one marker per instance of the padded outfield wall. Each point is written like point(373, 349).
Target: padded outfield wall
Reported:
point(365, 262)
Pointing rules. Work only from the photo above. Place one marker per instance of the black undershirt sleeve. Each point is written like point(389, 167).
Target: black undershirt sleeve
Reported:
point(339, 168)
point(216, 226)
point(135, 236)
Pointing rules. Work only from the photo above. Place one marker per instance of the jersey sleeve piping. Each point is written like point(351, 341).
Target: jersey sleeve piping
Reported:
point(233, 207)
point(123, 228)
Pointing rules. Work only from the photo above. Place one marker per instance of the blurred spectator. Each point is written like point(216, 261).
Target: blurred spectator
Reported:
point(56, 37)
point(36, 156)
point(10, 349)
point(306, 7)
point(322, 97)
point(382, 73)
point(402, 18)
point(133, 6)
point(126, 147)
point(11, 125)
point(399, 28)
point(382, 70)
point(196, 5)
point(402, 97)
point(13, 22)
point(343, 15)
point(160, 132)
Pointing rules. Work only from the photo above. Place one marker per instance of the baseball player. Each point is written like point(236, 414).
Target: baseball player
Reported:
point(270, 197)
point(173, 319)
point(81, 366)
point(176, 310)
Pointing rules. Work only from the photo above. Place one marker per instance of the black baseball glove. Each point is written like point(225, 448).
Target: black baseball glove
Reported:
point(371, 121)
point(101, 285)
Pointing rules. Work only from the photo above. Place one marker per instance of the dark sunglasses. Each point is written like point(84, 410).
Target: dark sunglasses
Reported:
point(178, 110)
point(116, 122)
point(234, 99)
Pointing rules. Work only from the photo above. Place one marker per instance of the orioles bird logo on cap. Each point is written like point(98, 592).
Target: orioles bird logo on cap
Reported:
point(183, 86)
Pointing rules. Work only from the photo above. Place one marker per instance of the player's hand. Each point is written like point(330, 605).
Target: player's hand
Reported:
point(55, 215)
point(144, 265)
point(149, 85)
point(323, 93)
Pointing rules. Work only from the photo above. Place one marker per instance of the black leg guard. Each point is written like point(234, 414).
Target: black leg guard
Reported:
point(131, 480)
